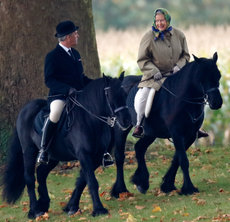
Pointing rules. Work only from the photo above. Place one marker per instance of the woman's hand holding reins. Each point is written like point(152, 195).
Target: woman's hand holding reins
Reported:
point(157, 76)
point(176, 68)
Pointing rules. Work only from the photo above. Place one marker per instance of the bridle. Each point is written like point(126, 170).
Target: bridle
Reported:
point(113, 119)
point(110, 120)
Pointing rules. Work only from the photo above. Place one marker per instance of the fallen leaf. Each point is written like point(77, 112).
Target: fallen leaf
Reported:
point(43, 217)
point(24, 209)
point(139, 207)
point(128, 216)
point(103, 193)
point(124, 195)
point(199, 218)
point(154, 153)
point(156, 209)
point(153, 216)
point(185, 214)
point(62, 204)
point(131, 161)
point(83, 219)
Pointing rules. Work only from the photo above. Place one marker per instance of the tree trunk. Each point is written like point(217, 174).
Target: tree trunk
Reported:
point(27, 34)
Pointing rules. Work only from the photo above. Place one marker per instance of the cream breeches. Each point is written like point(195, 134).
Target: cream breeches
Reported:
point(56, 108)
point(144, 96)
point(140, 103)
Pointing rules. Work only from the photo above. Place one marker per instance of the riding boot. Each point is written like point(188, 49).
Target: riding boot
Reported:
point(47, 135)
point(202, 133)
point(139, 130)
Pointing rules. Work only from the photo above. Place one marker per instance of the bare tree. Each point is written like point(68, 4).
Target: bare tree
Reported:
point(27, 32)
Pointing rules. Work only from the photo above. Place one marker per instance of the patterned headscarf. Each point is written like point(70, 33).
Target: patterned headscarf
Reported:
point(160, 34)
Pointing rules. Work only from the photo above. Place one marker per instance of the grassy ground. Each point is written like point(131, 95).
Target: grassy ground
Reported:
point(209, 170)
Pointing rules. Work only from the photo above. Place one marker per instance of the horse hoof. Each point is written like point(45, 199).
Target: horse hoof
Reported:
point(73, 211)
point(141, 190)
point(39, 214)
point(166, 189)
point(189, 191)
point(100, 212)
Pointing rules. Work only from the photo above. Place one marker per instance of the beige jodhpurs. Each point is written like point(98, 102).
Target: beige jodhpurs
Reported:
point(143, 103)
point(140, 103)
point(56, 108)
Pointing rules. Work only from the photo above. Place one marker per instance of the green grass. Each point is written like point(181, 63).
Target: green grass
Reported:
point(209, 171)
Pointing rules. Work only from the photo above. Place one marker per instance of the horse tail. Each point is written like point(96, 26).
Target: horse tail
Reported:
point(12, 178)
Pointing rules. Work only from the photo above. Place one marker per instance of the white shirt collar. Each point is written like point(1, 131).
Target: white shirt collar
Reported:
point(64, 47)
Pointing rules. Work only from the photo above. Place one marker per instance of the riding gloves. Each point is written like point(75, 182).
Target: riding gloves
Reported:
point(176, 68)
point(157, 76)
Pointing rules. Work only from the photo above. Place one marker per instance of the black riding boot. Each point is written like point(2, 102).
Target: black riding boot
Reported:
point(47, 135)
point(139, 130)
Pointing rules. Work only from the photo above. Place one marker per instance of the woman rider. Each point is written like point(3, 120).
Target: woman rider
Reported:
point(162, 49)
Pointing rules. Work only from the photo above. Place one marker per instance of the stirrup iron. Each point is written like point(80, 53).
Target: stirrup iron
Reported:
point(107, 158)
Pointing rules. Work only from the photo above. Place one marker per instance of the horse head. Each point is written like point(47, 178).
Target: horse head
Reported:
point(210, 77)
point(116, 101)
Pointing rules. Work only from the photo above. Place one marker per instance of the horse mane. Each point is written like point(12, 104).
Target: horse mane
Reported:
point(185, 83)
point(93, 94)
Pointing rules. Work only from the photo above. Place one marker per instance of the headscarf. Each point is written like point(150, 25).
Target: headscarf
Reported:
point(160, 34)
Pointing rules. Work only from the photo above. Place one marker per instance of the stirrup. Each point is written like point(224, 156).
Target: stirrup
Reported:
point(107, 160)
point(43, 160)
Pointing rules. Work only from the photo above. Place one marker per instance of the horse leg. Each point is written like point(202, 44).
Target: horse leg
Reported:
point(141, 175)
point(73, 204)
point(30, 156)
point(88, 168)
point(169, 178)
point(42, 174)
point(188, 187)
point(119, 186)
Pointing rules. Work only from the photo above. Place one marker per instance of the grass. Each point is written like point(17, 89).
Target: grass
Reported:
point(209, 171)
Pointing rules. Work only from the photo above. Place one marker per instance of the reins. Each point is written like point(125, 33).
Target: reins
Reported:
point(108, 120)
point(163, 74)
point(188, 100)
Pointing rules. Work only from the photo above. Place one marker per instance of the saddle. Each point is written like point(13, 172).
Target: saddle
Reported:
point(63, 124)
point(153, 102)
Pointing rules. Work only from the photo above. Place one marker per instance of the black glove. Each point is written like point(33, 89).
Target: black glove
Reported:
point(72, 91)
point(157, 76)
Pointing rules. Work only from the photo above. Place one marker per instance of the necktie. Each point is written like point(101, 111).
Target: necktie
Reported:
point(71, 54)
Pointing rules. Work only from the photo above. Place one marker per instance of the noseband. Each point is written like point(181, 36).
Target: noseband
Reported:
point(212, 89)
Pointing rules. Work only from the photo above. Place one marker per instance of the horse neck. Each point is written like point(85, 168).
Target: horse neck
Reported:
point(187, 82)
point(93, 97)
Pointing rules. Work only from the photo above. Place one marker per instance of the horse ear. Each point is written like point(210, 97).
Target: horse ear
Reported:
point(196, 59)
point(215, 57)
point(106, 79)
point(121, 77)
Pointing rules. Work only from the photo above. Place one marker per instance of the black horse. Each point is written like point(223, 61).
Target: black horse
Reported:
point(177, 113)
point(102, 101)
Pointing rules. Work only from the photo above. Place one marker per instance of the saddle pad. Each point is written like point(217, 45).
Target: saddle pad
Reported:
point(131, 96)
point(42, 115)
point(157, 102)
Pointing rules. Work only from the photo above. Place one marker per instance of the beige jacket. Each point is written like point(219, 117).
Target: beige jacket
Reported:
point(155, 56)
